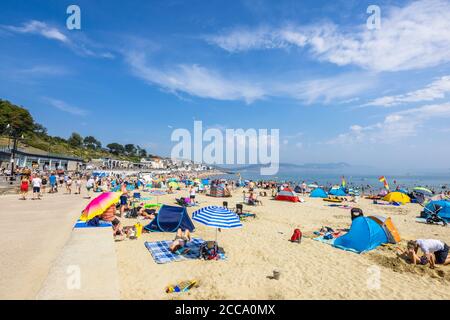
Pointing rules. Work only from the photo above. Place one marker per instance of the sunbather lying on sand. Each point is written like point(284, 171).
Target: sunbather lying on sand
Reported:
point(434, 252)
point(146, 213)
point(180, 241)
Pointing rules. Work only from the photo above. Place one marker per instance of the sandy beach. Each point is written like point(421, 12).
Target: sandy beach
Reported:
point(310, 270)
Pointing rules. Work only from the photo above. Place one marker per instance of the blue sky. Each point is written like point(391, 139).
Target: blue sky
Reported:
point(336, 90)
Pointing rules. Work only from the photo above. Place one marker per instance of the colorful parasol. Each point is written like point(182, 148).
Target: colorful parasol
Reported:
point(99, 205)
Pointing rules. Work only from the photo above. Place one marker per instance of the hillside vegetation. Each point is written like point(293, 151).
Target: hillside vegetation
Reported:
point(17, 121)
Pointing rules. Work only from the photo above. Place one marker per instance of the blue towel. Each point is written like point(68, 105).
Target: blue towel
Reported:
point(331, 242)
point(161, 253)
point(82, 224)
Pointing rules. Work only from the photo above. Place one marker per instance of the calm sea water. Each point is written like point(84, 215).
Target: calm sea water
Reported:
point(435, 182)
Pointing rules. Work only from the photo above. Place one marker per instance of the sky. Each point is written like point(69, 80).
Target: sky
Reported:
point(337, 90)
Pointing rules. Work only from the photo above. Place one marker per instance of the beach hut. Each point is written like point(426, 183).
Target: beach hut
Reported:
point(287, 195)
point(365, 234)
point(170, 219)
point(318, 193)
point(397, 197)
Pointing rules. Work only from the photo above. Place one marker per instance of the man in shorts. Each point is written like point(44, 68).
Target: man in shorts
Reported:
point(36, 183)
point(89, 186)
point(435, 251)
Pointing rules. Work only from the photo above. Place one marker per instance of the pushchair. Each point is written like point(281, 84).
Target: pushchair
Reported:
point(432, 216)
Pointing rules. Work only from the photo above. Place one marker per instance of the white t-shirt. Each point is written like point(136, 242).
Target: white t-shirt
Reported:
point(430, 245)
point(192, 193)
point(90, 183)
point(36, 182)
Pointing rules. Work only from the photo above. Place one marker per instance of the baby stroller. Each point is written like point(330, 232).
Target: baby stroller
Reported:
point(432, 216)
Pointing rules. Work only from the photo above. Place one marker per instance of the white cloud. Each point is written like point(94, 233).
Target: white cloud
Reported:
point(43, 70)
point(40, 28)
point(199, 81)
point(326, 90)
point(194, 80)
point(63, 106)
point(435, 90)
point(411, 37)
point(81, 46)
point(395, 126)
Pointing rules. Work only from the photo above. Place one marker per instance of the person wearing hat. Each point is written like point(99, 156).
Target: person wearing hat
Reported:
point(435, 252)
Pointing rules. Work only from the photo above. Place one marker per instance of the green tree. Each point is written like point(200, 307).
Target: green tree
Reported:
point(15, 120)
point(116, 148)
point(39, 129)
point(75, 140)
point(91, 143)
point(130, 149)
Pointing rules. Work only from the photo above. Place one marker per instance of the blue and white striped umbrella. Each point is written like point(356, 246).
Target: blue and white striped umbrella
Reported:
point(217, 217)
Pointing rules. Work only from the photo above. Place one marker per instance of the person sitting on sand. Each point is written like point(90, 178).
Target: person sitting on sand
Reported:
point(110, 216)
point(253, 199)
point(180, 241)
point(435, 251)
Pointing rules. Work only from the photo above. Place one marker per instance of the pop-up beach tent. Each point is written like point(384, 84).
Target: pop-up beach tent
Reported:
point(218, 191)
point(337, 192)
point(442, 207)
point(170, 219)
point(397, 197)
point(318, 193)
point(365, 234)
point(287, 195)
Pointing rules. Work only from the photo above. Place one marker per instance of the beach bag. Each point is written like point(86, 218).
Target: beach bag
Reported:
point(209, 250)
point(296, 236)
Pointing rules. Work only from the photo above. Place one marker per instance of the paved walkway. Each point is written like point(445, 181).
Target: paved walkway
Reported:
point(85, 269)
point(33, 236)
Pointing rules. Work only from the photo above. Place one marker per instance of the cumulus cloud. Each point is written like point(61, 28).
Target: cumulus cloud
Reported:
point(411, 37)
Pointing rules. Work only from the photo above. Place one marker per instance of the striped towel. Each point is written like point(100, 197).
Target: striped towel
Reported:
point(161, 253)
point(82, 224)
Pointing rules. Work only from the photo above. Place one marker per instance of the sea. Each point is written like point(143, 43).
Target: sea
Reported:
point(435, 182)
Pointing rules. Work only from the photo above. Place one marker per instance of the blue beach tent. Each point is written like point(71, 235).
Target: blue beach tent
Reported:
point(169, 219)
point(444, 206)
point(365, 234)
point(318, 193)
point(337, 192)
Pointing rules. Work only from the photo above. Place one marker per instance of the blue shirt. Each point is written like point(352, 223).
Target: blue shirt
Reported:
point(52, 179)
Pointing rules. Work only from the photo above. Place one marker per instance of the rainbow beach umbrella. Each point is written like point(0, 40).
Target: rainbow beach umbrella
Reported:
point(99, 205)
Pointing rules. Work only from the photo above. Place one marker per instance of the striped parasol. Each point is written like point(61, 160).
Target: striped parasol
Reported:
point(217, 217)
point(423, 190)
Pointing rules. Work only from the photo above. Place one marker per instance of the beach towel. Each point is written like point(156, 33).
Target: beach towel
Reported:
point(331, 243)
point(83, 224)
point(161, 253)
point(339, 206)
point(424, 220)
